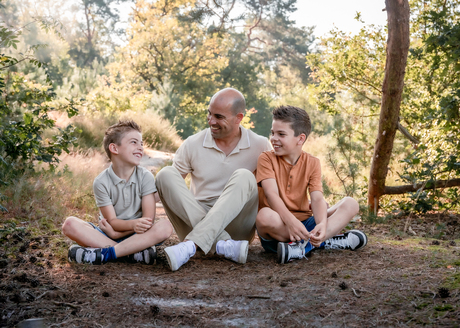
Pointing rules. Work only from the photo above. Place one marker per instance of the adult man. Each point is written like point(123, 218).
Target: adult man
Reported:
point(219, 211)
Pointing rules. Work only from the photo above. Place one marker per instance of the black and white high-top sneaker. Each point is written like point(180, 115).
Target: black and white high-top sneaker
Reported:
point(353, 240)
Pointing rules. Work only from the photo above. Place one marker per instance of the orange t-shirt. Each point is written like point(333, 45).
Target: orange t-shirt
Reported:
point(294, 181)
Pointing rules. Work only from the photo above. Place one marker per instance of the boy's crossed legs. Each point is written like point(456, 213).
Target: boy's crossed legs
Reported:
point(101, 248)
point(275, 237)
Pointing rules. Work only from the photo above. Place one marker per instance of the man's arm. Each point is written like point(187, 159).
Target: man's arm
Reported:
point(296, 229)
point(319, 209)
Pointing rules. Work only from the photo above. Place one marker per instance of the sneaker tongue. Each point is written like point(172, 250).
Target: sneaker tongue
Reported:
point(297, 251)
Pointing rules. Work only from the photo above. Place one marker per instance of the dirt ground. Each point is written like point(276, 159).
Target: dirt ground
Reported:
point(394, 281)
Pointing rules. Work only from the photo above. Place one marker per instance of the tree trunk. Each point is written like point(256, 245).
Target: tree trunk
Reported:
point(397, 50)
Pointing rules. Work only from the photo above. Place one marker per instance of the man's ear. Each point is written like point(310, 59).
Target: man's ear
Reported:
point(239, 117)
point(302, 139)
point(113, 148)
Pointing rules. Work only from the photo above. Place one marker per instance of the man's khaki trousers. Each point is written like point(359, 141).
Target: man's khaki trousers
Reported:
point(231, 216)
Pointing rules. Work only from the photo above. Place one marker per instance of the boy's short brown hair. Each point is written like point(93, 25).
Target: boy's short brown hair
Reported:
point(297, 117)
point(116, 132)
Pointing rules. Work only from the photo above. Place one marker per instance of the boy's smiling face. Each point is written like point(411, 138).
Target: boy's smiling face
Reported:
point(283, 140)
point(131, 148)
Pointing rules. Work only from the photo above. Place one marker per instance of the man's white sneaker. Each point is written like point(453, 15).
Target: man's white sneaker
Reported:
point(179, 254)
point(235, 250)
point(353, 240)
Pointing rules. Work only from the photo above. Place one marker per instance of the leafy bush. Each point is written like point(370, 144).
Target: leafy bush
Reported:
point(24, 108)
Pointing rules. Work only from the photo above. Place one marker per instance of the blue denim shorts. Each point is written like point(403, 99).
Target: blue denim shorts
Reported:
point(116, 240)
point(271, 245)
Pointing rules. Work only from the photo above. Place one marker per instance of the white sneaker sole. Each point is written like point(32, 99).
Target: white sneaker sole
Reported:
point(171, 259)
point(244, 247)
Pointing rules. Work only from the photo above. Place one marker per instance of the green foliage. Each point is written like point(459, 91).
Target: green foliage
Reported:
point(349, 71)
point(185, 51)
point(432, 102)
point(24, 108)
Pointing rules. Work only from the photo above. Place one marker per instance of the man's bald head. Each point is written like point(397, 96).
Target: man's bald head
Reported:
point(232, 97)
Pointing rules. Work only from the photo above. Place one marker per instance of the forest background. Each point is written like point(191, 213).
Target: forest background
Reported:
point(68, 71)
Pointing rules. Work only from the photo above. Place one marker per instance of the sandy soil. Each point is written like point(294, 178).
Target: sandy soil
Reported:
point(392, 282)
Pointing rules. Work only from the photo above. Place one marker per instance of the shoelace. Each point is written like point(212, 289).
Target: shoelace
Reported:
point(298, 250)
point(89, 256)
point(228, 250)
point(139, 256)
point(339, 242)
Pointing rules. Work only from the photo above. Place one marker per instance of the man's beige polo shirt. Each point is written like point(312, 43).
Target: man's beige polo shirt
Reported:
point(125, 196)
point(210, 168)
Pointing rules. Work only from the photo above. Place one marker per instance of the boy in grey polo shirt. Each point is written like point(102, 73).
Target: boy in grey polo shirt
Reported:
point(124, 193)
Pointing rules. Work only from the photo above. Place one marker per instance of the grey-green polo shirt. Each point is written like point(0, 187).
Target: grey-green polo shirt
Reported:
point(210, 168)
point(125, 196)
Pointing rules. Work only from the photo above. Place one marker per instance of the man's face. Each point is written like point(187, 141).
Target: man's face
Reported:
point(222, 121)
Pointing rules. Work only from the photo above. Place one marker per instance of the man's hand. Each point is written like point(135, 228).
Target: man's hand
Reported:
point(141, 225)
point(297, 230)
point(318, 233)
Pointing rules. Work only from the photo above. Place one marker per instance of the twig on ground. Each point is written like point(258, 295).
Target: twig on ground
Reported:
point(259, 296)
point(356, 294)
point(67, 304)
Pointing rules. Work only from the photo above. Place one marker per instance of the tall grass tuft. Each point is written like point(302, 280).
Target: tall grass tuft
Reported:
point(157, 133)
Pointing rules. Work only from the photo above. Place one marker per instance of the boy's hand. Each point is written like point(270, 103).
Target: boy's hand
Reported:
point(107, 228)
point(317, 234)
point(297, 230)
point(109, 231)
point(141, 225)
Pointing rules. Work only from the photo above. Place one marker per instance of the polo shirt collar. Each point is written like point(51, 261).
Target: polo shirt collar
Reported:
point(243, 143)
point(116, 179)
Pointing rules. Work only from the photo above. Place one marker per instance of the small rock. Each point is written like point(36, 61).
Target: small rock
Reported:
point(22, 277)
point(3, 263)
point(154, 309)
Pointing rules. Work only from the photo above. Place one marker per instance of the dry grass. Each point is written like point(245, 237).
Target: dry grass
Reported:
point(157, 132)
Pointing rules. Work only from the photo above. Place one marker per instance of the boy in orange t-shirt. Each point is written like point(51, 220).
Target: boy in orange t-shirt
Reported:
point(286, 175)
